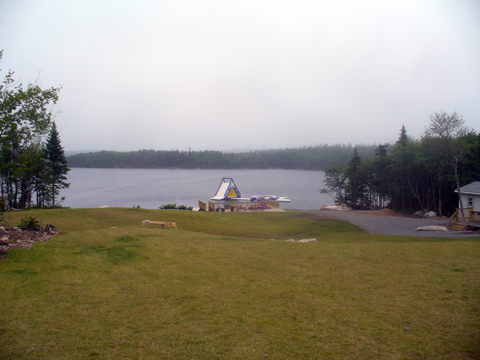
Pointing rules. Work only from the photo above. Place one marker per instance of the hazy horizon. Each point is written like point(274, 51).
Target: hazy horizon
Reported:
point(222, 76)
point(74, 152)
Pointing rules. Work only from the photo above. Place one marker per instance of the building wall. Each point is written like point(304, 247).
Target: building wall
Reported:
point(468, 199)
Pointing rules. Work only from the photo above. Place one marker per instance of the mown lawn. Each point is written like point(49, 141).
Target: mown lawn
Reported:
point(228, 286)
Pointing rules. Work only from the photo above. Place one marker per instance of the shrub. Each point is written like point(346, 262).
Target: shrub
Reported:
point(175, 207)
point(184, 207)
point(168, 207)
point(29, 223)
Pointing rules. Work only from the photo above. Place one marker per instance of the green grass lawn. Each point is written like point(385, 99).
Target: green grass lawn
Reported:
point(228, 286)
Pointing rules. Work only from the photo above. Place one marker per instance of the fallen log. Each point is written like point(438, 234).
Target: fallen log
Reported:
point(163, 224)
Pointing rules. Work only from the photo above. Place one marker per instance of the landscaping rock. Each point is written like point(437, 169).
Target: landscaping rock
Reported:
point(419, 213)
point(307, 240)
point(432, 228)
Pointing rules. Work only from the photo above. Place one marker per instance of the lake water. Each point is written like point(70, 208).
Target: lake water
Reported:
point(151, 188)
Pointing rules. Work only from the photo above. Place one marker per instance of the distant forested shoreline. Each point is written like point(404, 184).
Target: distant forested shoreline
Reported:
point(306, 158)
point(407, 176)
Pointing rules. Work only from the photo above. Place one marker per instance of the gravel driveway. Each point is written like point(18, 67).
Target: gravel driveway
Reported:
point(377, 222)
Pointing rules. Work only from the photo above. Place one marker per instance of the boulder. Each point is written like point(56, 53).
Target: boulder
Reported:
point(307, 240)
point(426, 214)
point(432, 228)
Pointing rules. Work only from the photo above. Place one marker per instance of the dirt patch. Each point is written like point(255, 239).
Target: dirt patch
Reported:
point(14, 238)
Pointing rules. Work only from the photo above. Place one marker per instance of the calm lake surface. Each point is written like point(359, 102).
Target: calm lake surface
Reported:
point(151, 188)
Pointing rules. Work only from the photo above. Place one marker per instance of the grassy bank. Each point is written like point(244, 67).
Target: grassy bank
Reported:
point(227, 286)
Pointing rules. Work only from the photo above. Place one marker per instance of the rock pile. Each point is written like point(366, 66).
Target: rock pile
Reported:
point(16, 238)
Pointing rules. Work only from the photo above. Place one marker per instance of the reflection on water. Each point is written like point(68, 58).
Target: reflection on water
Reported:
point(151, 188)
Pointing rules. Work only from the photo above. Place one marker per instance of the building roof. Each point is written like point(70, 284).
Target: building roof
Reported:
point(472, 188)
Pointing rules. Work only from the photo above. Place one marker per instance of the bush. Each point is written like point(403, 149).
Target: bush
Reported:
point(29, 223)
point(168, 207)
point(175, 207)
point(184, 207)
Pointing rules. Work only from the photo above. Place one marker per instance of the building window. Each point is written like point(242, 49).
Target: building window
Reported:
point(470, 202)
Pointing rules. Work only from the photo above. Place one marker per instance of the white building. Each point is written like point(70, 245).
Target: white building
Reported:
point(470, 196)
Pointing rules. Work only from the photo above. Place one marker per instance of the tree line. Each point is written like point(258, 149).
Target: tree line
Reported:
point(417, 174)
point(33, 165)
point(305, 158)
point(412, 174)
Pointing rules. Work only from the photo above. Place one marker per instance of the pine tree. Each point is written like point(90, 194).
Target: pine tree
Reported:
point(354, 190)
point(403, 138)
point(57, 168)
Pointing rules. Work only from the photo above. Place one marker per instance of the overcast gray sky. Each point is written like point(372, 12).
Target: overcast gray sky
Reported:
point(225, 75)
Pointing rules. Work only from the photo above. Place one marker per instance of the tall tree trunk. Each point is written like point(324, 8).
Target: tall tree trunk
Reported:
point(416, 193)
point(455, 167)
point(53, 193)
point(440, 212)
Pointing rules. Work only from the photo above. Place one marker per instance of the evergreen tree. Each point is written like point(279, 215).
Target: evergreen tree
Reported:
point(399, 169)
point(402, 138)
point(381, 169)
point(57, 168)
point(354, 190)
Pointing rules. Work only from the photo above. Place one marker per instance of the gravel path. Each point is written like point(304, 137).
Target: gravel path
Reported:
point(379, 223)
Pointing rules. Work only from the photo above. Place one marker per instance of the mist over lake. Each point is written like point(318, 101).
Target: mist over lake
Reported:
point(151, 188)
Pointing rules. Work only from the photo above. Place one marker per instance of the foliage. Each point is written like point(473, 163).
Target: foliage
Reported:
point(355, 184)
point(57, 168)
point(451, 130)
point(3, 205)
point(306, 158)
point(29, 223)
point(168, 207)
point(24, 113)
point(416, 175)
point(25, 118)
point(469, 167)
point(335, 180)
point(175, 207)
